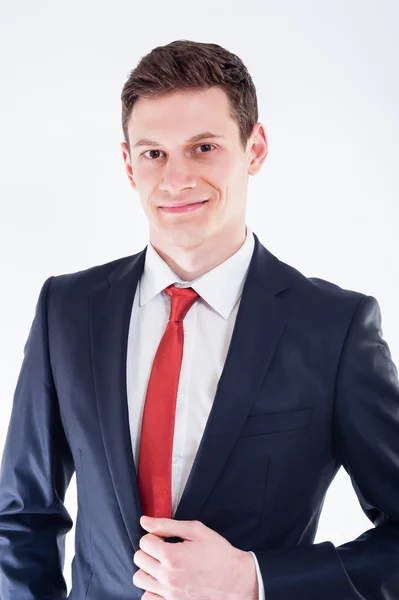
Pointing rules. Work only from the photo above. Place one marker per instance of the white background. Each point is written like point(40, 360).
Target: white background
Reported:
point(325, 200)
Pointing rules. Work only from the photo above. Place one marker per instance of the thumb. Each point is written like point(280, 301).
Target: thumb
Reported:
point(170, 527)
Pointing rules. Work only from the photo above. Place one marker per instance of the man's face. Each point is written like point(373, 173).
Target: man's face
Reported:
point(175, 170)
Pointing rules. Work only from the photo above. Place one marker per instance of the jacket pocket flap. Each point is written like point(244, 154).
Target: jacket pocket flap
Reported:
point(276, 422)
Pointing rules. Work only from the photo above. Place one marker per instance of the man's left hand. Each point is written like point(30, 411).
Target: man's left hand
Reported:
point(203, 566)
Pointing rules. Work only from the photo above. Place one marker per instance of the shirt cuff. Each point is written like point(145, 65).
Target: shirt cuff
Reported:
point(260, 578)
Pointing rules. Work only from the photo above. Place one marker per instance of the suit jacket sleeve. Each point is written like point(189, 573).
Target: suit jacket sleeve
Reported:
point(366, 440)
point(36, 469)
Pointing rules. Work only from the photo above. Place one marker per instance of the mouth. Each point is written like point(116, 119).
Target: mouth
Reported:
point(183, 208)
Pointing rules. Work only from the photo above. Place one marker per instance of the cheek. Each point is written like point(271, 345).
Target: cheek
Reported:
point(143, 173)
point(219, 170)
point(230, 175)
point(146, 183)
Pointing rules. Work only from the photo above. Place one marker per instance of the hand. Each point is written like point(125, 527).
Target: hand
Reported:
point(204, 566)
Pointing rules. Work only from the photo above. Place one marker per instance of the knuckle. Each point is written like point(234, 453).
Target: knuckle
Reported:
point(197, 525)
point(173, 582)
point(174, 562)
point(168, 559)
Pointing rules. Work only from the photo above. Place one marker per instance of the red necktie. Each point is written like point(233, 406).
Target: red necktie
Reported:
point(157, 431)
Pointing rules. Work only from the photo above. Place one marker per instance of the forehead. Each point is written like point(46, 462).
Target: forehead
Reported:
point(186, 113)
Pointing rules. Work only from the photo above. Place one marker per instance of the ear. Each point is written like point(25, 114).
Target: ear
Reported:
point(258, 150)
point(128, 165)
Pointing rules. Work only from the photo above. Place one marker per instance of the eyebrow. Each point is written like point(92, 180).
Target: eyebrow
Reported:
point(195, 138)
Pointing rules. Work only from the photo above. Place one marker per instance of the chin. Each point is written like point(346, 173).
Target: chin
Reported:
point(182, 236)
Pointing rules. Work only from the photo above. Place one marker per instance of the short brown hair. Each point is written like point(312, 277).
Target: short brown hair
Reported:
point(184, 64)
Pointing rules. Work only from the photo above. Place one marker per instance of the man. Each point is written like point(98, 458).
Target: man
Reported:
point(201, 382)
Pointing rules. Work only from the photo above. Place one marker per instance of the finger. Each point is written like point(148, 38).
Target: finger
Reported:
point(146, 582)
point(146, 562)
point(151, 596)
point(154, 546)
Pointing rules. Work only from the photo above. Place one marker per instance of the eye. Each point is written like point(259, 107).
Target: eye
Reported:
point(147, 157)
point(200, 146)
point(204, 145)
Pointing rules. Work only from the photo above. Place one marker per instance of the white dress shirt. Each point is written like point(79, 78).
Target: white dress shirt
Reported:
point(208, 327)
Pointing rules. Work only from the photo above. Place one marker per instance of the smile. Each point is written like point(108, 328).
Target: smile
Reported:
point(183, 209)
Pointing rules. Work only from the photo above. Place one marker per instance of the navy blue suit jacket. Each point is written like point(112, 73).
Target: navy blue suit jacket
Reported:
point(308, 385)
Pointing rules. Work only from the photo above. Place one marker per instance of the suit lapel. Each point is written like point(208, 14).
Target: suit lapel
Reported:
point(260, 321)
point(110, 312)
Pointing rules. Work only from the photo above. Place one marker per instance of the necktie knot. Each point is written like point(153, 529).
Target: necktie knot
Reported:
point(182, 300)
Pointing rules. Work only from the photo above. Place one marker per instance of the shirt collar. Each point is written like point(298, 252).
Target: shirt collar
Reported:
point(221, 287)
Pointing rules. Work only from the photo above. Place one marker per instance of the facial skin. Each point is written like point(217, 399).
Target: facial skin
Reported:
point(177, 171)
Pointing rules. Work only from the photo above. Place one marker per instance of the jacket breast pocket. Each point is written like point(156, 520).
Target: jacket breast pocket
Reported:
point(276, 422)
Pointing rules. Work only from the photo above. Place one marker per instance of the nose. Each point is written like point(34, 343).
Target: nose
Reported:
point(177, 176)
